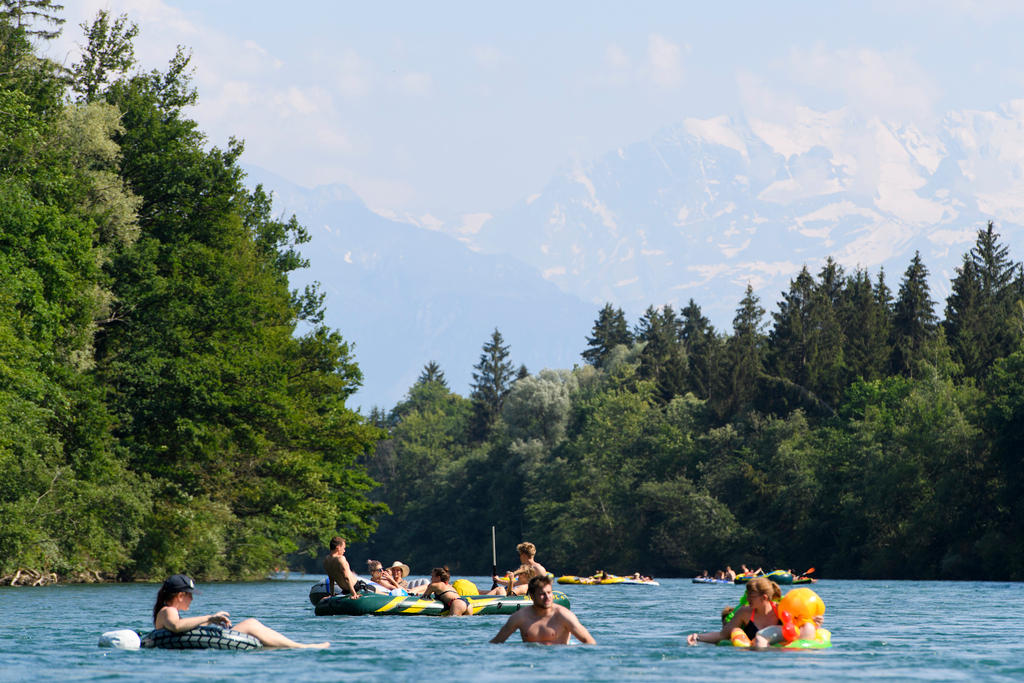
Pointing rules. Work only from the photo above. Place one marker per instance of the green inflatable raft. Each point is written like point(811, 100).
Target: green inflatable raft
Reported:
point(372, 603)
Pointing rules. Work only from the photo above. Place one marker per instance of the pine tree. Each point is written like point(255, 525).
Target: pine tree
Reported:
point(432, 373)
point(492, 381)
point(914, 321)
point(702, 351)
point(827, 362)
point(663, 358)
point(746, 353)
point(610, 330)
point(26, 13)
point(980, 309)
point(789, 341)
point(865, 315)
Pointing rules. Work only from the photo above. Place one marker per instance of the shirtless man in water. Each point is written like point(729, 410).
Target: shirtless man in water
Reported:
point(337, 569)
point(544, 621)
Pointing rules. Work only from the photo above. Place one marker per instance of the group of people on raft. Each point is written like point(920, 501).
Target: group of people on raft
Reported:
point(544, 621)
point(728, 574)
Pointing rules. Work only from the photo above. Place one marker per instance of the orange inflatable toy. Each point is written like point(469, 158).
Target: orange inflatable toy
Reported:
point(803, 605)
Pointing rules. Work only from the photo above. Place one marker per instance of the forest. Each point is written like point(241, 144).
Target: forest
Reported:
point(168, 403)
point(851, 430)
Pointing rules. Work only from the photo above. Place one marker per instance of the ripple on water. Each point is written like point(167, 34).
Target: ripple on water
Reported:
point(882, 630)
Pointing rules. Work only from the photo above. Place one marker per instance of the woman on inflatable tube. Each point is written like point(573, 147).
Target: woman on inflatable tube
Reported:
point(175, 596)
point(758, 620)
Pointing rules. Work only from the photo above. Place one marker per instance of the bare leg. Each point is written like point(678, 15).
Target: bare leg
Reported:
point(271, 638)
point(498, 590)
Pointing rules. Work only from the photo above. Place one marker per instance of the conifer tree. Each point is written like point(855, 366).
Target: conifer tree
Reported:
point(663, 358)
point(28, 13)
point(610, 330)
point(866, 320)
point(980, 309)
point(702, 351)
point(746, 352)
point(790, 338)
point(432, 373)
point(492, 381)
point(914, 321)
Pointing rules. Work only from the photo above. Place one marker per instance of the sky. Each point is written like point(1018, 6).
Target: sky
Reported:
point(446, 112)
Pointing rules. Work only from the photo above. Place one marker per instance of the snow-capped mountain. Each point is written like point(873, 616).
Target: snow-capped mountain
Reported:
point(696, 212)
point(709, 205)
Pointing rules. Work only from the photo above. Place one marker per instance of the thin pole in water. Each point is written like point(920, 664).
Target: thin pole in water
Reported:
point(494, 558)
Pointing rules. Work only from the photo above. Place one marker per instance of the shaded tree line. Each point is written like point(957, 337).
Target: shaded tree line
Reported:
point(852, 428)
point(167, 403)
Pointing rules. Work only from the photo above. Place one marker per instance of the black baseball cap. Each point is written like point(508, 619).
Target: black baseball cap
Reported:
point(179, 583)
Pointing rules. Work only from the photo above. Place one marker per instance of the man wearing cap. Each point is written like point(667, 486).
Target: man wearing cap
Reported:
point(337, 569)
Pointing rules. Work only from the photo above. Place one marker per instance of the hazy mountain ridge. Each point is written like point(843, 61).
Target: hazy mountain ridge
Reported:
point(405, 295)
point(708, 205)
point(697, 211)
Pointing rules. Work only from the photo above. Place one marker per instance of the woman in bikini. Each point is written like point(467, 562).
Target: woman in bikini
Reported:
point(755, 618)
point(439, 588)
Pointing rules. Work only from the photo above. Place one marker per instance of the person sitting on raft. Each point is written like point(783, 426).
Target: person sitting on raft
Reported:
point(398, 571)
point(518, 580)
point(439, 588)
point(757, 618)
point(337, 570)
point(175, 597)
point(381, 581)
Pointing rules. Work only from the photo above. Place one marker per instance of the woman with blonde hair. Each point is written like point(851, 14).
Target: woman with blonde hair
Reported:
point(757, 618)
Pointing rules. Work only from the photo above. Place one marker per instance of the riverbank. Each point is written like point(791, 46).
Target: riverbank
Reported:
point(34, 577)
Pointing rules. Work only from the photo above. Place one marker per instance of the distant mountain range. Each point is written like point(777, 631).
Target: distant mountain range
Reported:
point(406, 296)
point(698, 211)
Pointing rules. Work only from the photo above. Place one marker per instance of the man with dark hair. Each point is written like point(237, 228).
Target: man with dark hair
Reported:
point(337, 569)
point(544, 621)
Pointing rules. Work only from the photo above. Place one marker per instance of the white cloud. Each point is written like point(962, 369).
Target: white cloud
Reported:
point(488, 56)
point(889, 85)
point(664, 61)
point(414, 83)
point(352, 74)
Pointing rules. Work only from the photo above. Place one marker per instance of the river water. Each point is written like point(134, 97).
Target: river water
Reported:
point(882, 630)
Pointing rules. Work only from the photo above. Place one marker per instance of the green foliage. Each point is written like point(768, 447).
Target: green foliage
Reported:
point(492, 380)
point(109, 51)
point(610, 330)
point(159, 411)
point(846, 439)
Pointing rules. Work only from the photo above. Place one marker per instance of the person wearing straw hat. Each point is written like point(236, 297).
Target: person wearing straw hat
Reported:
point(399, 571)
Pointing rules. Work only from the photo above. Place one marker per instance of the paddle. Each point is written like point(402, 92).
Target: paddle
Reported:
point(494, 561)
point(809, 571)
